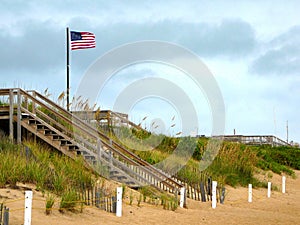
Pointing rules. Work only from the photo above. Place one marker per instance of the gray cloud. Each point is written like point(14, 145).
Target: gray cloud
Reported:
point(39, 48)
point(282, 56)
point(283, 61)
point(290, 36)
point(231, 38)
point(15, 6)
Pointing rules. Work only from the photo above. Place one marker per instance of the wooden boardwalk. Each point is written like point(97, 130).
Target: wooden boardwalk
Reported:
point(28, 114)
point(256, 140)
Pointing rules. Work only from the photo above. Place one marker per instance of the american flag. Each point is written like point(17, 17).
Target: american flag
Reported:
point(82, 40)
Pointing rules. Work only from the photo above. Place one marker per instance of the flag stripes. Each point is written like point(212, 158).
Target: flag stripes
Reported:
point(82, 40)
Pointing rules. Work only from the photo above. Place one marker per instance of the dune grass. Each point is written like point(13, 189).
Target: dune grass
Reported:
point(235, 163)
point(278, 159)
point(49, 170)
point(57, 175)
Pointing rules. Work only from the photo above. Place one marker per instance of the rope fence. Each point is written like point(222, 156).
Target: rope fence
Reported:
point(96, 197)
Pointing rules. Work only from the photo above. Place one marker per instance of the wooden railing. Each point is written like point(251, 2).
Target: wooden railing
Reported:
point(112, 118)
point(256, 140)
point(88, 139)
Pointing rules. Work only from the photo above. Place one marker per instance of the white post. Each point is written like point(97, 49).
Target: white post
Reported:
point(182, 193)
point(269, 189)
point(283, 184)
point(214, 194)
point(28, 207)
point(119, 202)
point(250, 193)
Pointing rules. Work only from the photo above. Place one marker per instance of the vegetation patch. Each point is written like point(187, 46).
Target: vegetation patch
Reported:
point(235, 163)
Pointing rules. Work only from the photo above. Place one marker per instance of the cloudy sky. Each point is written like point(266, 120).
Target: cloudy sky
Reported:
point(251, 47)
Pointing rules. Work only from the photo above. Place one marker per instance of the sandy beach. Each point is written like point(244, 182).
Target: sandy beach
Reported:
point(278, 209)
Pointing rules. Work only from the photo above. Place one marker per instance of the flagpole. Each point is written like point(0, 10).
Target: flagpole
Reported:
point(68, 68)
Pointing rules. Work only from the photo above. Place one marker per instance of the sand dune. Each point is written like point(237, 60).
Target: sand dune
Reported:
point(279, 209)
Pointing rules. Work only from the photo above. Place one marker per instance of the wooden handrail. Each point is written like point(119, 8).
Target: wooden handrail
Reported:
point(90, 131)
point(102, 135)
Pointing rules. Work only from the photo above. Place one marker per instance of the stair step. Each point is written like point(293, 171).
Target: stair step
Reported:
point(33, 121)
point(78, 152)
point(66, 143)
point(41, 127)
point(25, 116)
point(73, 147)
point(49, 132)
point(82, 152)
point(57, 137)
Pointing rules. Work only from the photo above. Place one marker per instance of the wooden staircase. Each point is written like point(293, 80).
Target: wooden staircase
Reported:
point(36, 114)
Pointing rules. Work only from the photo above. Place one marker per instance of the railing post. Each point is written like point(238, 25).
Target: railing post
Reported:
point(272, 141)
point(33, 103)
point(99, 155)
point(110, 160)
point(260, 141)
point(11, 115)
point(26, 102)
point(19, 115)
